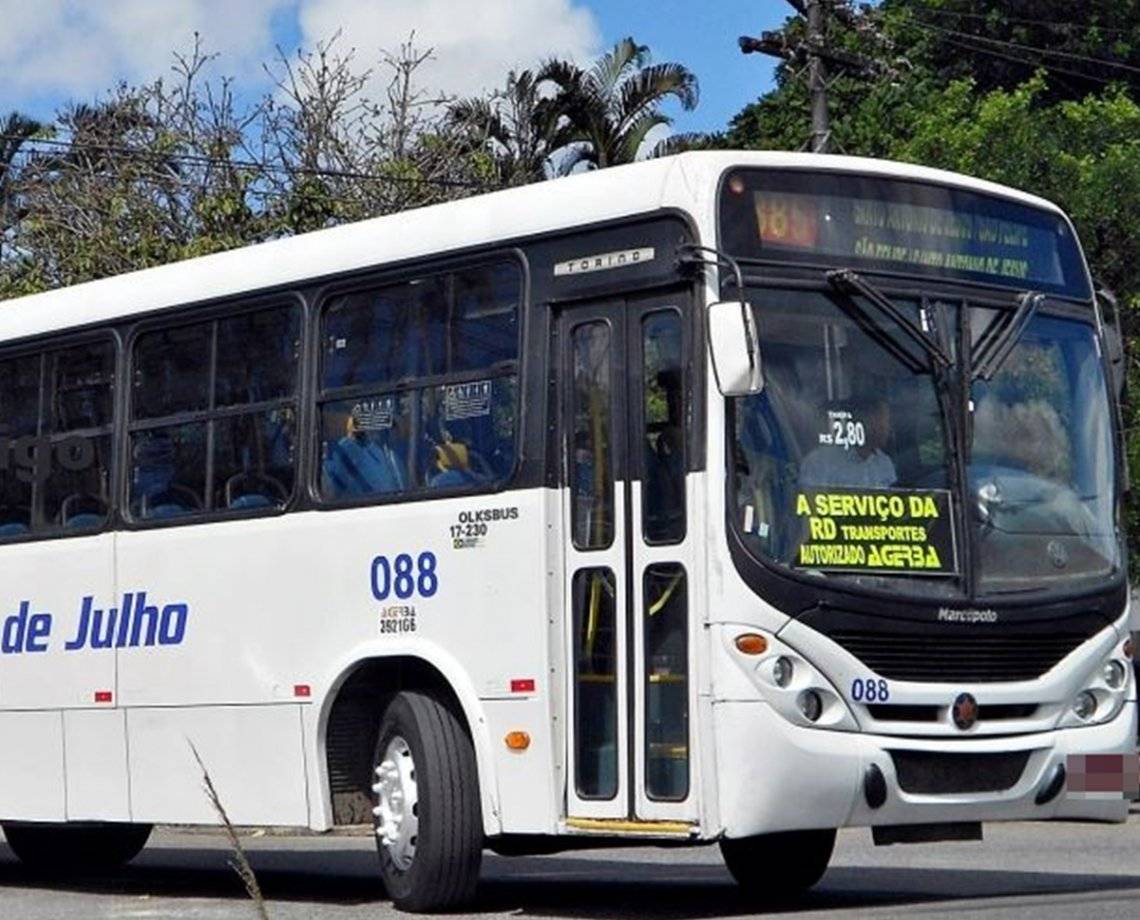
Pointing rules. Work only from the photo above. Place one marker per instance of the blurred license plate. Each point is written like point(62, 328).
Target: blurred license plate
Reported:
point(1103, 776)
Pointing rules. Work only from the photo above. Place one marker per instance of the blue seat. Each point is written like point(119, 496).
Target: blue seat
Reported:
point(455, 479)
point(252, 500)
point(357, 465)
point(14, 529)
point(164, 510)
point(85, 520)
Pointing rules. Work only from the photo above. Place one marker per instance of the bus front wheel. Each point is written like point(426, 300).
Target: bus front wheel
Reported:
point(780, 865)
point(77, 847)
point(426, 812)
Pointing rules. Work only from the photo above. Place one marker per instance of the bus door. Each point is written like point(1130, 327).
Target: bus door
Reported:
point(625, 417)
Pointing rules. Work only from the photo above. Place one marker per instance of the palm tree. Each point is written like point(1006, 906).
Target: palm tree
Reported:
point(520, 127)
point(611, 107)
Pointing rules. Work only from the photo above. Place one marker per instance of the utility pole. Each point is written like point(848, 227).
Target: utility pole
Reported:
point(812, 49)
point(817, 78)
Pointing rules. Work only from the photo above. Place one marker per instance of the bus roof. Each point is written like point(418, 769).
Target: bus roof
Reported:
point(687, 181)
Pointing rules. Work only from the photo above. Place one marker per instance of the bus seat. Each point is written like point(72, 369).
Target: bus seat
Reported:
point(14, 529)
point(174, 501)
point(356, 465)
point(87, 520)
point(252, 489)
point(252, 500)
point(164, 510)
point(82, 511)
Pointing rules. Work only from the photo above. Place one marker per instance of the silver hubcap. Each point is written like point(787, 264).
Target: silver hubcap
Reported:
point(397, 803)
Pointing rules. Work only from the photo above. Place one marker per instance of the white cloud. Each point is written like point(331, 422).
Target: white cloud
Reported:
point(476, 41)
point(53, 51)
point(78, 49)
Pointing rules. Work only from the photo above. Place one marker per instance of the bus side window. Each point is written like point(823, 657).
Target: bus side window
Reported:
point(365, 446)
point(81, 392)
point(440, 353)
point(19, 418)
point(168, 471)
point(663, 385)
point(171, 371)
point(258, 356)
point(239, 376)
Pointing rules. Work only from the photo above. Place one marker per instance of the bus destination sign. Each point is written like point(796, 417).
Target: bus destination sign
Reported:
point(884, 224)
point(880, 531)
point(892, 231)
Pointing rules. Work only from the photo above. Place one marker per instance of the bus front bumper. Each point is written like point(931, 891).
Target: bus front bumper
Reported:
point(773, 775)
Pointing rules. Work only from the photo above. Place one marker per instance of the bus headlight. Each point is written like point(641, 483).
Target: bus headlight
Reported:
point(1084, 706)
point(792, 685)
point(782, 671)
point(1114, 674)
point(810, 705)
point(1102, 696)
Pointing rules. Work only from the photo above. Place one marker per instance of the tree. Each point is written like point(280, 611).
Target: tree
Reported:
point(519, 128)
point(174, 168)
point(611, 107)
point(925, 45)
point(15, 130)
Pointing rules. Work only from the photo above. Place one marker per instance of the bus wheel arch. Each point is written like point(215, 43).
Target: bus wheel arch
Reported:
point(351, 725)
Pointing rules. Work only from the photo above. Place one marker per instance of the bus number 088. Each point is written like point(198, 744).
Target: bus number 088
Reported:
point(404, 576)
point(869, 690)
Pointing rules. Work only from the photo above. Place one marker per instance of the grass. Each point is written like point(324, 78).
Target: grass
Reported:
point(240, 862)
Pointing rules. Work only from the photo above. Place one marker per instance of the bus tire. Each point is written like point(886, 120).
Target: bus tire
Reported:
point(780, 865)
point(426, 811)
point(77, 847)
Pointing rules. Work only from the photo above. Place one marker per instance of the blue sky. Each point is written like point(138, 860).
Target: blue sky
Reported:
point(702, 36)
point(55, 51)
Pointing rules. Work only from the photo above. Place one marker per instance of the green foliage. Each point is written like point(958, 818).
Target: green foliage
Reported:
point(610, 108)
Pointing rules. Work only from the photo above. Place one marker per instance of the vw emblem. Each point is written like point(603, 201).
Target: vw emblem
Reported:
point(964, 711)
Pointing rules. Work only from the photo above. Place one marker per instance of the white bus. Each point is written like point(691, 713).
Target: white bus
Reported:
point(731, 497)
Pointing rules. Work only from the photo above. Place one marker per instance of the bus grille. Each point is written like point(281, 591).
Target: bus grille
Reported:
point(935, 773)
point(975, 659)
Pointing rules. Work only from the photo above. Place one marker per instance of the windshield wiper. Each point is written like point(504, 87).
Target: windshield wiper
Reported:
point(1000, 338)
point(850, 282)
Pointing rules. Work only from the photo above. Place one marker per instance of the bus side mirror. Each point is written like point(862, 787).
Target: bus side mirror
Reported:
point(1117, 369)
point(735, 347)
point(1113, 338)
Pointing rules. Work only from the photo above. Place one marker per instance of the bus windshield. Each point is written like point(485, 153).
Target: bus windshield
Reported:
point(1041, 471)
point(843, 467)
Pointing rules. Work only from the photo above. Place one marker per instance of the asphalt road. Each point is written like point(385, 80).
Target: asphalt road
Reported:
point(1020, 870)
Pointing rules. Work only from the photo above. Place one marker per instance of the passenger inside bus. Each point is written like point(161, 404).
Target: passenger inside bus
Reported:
point(861, 464)
point(453, 466)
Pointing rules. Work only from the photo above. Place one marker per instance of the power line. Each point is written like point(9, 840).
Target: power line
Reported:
point(249, 165)
point(1052, 68)
point(960, 14)
point(1033, 49)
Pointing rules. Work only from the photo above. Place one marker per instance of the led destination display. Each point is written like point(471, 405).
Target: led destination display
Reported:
point(882, 224)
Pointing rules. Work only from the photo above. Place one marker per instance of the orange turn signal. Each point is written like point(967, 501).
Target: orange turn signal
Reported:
point(517, 741)
point(751, 644)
